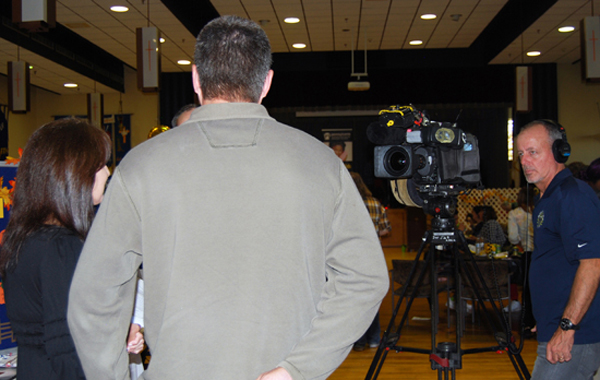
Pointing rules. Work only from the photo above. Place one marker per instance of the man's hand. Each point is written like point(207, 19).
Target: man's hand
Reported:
point(559, 347)
point(135, 341)
point(275, 374)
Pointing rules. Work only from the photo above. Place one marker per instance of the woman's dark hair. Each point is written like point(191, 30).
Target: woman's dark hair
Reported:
point(525, 199)
point(488, 212)
point(54, 183)
point(361, 186)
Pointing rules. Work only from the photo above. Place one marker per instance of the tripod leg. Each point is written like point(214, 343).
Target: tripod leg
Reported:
point(390, 339)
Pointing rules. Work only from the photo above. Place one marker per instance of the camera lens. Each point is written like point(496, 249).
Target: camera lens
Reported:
point(397, 162)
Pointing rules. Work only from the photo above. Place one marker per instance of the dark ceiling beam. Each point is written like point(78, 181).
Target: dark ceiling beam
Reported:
point(66, 48)
point(512, 20)
point(192, 14)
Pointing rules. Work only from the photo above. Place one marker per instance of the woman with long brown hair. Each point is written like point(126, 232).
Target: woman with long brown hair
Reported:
point(60, 178)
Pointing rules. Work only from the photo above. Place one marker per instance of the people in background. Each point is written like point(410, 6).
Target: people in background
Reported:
point(486, 226)
point(520, 227)
point(61, 176)
point(592, 176)
point(578, 169)
point(565, 265)
point(339, 147)
point(252, 234)
point(491, 231)
point(520, 233)
point(383, 227)
point(183, 115)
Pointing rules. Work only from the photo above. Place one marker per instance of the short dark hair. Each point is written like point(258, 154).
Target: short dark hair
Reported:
point(578, 169)
point(592, 174)
point(187, 107)
point(54, 183)
point(488, 212)
point(337, 142)
point(233, 58)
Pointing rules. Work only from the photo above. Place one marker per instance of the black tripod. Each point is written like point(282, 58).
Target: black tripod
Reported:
point(446, 357)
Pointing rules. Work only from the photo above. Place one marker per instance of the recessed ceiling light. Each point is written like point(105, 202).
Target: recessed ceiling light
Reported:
point(299, 45)
point(428, 16)
point(70, 85)
point(566, 29)
point(119, 8)
point(184, 62)
point(415, 42)
point(533, 53)
point(161, 40)
point(291, 20)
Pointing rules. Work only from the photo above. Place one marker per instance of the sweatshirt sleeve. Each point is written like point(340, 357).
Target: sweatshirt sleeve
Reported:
point(56, 273)
point(103, 288)
point(356, 284)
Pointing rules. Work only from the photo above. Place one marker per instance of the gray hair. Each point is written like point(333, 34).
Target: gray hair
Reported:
point(551, 127)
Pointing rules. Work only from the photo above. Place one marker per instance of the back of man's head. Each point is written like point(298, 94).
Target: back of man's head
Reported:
point(233, 58)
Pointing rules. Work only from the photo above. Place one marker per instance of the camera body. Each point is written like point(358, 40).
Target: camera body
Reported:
point(428, 152)
point(428, 162)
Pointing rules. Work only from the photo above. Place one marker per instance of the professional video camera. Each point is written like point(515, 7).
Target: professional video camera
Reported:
point(427, 161)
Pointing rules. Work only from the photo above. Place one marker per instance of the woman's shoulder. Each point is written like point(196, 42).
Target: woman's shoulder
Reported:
point(53, 238)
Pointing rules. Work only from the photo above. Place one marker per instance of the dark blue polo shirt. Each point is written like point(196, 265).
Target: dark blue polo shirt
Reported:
point(566, 229)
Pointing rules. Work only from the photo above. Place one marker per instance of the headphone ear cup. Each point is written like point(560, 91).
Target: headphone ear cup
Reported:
point(561, 151)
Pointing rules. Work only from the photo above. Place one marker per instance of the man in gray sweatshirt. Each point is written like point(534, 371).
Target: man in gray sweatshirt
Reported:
point(260, 259)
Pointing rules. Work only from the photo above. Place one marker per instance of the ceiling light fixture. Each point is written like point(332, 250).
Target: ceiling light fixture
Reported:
point(358, 84)
point(428, 16)
point(415, 42)
point(291, 20)
point(70, 85)
point(566, 29)
point(533, 53)
point(119, 8)
point(184, 62)
point(299, 46)
point(161, 40)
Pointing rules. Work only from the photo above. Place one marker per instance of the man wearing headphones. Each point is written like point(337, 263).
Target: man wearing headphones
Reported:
point(565, 265)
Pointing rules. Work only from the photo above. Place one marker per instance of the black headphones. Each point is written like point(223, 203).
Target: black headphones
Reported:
point(560, 148)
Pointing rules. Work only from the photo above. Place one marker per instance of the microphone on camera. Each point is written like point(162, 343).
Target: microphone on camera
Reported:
point(380, 134)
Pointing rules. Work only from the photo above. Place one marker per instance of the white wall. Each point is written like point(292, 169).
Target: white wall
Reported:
point(579, 113)
point(45, 105)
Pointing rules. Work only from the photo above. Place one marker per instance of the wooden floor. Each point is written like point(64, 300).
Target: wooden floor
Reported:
point(405, 365)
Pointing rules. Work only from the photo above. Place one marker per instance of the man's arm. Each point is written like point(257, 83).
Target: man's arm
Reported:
point(583, 292)
point(103, 287)
point(356, 283)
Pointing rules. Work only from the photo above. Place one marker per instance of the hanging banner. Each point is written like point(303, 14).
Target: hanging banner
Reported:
point(590, 50)
point(34, 15)
point(524, 95)
point(8, 173)
point(18, 86)
point(340, 140)
point(119, 129)
point(95, 107)
point(3, 132)
point(148, 59)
